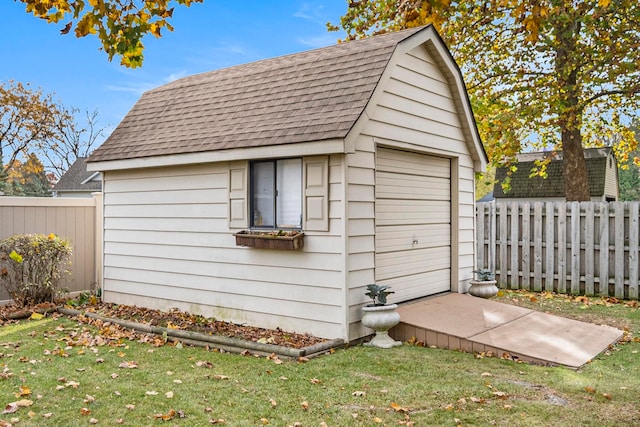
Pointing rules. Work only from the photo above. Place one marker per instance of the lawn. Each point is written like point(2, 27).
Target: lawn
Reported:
point(59, 372)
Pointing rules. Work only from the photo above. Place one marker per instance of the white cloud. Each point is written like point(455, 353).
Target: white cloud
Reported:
point(319, 41)
point(138, 88)
point(312, 12)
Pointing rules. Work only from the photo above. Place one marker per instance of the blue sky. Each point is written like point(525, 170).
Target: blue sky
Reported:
point(208, 36)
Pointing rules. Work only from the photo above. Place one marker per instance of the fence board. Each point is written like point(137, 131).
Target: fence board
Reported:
point(604, 249)
point(515, 245)
point(72, 219)
point(619, 249)
point(526, 247)
point(634, 241)
point(581, 248)
point(549, 247)
point(537, 246)
point(589, 250)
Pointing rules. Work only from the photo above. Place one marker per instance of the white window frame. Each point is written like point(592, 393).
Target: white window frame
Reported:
point(315, 194)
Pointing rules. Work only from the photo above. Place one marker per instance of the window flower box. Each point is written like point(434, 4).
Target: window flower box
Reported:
point(279, 239)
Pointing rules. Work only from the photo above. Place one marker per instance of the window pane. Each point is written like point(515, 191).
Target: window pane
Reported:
point(263, 197)
point(289, 194)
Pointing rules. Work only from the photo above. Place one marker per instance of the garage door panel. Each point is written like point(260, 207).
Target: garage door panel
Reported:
point(417, 285)
point(402, 162)
point(402, 263)
point(405, 180)
point(396, 238)
point(413, 193)
point(389, 213)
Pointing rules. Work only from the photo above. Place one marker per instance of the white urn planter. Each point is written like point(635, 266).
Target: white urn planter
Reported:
point(483, 288)
point(381, 318)
point(484, 285)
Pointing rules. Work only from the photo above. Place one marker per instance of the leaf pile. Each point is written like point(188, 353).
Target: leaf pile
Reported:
point(176, 319)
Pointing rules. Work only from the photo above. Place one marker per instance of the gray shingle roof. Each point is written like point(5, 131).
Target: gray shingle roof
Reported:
point(308, 96)
point(73, 179)
point(553, 186)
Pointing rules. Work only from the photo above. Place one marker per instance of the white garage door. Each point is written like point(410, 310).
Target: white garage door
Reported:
point(413, 223)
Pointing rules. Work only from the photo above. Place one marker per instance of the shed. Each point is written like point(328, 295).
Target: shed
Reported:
point(602, 171)
point(368, 147)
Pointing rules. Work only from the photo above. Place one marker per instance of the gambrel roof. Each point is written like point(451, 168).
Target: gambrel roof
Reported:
point(317, 95)
point(523, 186)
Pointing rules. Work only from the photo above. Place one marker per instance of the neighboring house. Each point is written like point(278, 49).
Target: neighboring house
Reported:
point(77, 181)
point(602, 169)
point(368, 147)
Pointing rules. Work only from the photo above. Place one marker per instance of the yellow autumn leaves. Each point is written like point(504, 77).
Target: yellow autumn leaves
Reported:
point(119, 26)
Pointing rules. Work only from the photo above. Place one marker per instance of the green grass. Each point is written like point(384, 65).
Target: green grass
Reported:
point(358, 386)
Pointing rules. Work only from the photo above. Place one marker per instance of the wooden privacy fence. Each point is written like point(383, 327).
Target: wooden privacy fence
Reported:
point(588, 248)
point(78, 220)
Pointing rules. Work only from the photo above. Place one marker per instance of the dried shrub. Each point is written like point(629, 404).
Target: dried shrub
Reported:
point(32, 266)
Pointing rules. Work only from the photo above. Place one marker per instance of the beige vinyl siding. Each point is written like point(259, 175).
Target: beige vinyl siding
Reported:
point(611, 179)
point(168, 244)
point(414, 110)
point(360, 183)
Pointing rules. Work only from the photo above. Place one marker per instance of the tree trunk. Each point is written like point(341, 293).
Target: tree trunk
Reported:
point(574, 167)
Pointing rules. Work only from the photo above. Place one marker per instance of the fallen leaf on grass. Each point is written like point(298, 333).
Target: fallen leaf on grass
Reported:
point(398, 408)
point(305, 405)
point(216, 421)
point(128, 365)
point(204, 364)
point(273, 403)
point(130, 406)
point(359, 393)
point(24, 391)
point(169, 394)
point(85, 411)
point(151, 393)
point(220, 377)
point(93, 421)
point(14, 406)
point(165, 417)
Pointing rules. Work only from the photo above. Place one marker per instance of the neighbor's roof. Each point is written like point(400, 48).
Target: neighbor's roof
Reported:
point(309, 96)
point(77, 178)
point(522, 186)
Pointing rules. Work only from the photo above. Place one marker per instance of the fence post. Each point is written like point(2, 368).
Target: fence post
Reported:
point(526, 246)
point(97, 198)
point(589, 249)
point(604, 249)
point(562, 247)
point(634, 241)
point(549, 246)
point(618, 228)
point(537, 246)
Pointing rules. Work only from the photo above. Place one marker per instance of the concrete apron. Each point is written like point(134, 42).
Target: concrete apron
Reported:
point(464, 322)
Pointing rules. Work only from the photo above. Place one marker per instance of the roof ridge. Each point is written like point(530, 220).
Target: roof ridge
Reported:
point(262, 65)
